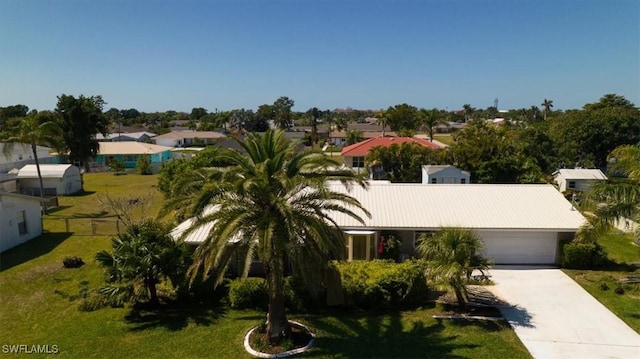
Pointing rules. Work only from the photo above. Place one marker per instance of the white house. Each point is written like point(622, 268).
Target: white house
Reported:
point(436, 174)
point(577, 179)
point(141, 136)
point(188, 138)
point(20, 219)
point(519, 224)
point(57, 180)
point(21, 154)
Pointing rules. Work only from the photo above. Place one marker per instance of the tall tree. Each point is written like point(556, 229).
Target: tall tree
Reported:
point(282, 112)
point(37, 128)
point(273, 203)
point(453, 253)
point(80, 119)
point(402, 117)
point(402, 163)
point(314, 114)
point(382, 120)
point(468, 111)
point(546, 107)
point(430, 119)
point(11, 112)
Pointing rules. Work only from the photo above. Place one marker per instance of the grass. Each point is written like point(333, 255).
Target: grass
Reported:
point(445, 138)
point(40, 300)
point(601, 284)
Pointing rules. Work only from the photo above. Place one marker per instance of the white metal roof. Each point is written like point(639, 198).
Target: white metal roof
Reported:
point(581, 173)
point(130, 148)
point(482, 206)
point(47, 171)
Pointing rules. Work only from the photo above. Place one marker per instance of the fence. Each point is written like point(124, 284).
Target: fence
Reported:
point(84, 226)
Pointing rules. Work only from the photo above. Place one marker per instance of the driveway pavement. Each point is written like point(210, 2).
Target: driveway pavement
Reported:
point(555, 318)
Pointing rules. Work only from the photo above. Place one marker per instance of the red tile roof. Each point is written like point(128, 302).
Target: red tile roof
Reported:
point(362, 148)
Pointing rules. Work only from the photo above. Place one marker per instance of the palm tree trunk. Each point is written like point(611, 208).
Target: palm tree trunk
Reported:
point(278, 326)
point(459, 296)
point(153, 292)
point(35, 157)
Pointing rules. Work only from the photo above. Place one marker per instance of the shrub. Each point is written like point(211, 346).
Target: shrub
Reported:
point(72, 262)
point(297, 296)
point(390, 242)
point(248, 293)
point(383, 284)
point(619, 290)
point(583, 255)
point(144, 165)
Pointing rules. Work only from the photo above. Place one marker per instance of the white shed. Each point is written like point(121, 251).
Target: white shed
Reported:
point(577, 179)
point(20, 219)
point(57, 180)
point(432, 174)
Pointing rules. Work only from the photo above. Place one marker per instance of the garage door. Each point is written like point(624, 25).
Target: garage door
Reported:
point(513, 247)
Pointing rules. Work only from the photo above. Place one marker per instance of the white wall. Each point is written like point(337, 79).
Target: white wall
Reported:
point(9, 232)
point(449, 175)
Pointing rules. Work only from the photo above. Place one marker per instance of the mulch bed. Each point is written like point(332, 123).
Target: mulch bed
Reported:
point(259, 340)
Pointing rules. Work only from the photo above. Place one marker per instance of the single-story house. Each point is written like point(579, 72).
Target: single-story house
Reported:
point(577, 179)
point(444, 174)
point(339, 138)
point(519, 224)
point(20, 219)
point(57, 180)
point(188, 138)
point(130, 152)
point(141, 136)
point(21, 154)
point(354, 154)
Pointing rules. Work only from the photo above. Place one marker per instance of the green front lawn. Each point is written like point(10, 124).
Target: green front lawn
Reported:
point(601, 284)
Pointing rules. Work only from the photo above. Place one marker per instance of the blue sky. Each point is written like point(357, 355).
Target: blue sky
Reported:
point(176, 55)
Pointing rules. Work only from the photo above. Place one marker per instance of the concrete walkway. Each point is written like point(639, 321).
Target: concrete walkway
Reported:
point(555, 318)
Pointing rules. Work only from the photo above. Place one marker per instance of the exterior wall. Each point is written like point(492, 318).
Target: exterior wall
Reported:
point(168, 142)
point(9, 230)
point(69, 184)
point(580, 184)
point(449, 175)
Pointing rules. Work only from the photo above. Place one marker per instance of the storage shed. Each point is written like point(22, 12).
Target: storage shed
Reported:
point(57, 180)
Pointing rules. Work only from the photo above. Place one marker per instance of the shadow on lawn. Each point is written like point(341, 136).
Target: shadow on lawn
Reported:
point(382, 336)
point(173, 316)
point(32, 249)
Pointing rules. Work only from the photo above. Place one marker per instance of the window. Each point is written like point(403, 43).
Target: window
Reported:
point(130, 158)
point(358, 162)
point(22, 222)
point(572, 184)
point(463, 180)
point(434, 180)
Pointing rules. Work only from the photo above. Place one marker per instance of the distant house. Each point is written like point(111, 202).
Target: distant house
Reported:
point(142, 136)
point(354, 154)
point(188, 138)
point(130, 152)
point(20, 219)
point(339, 138)
point(577, 179)
point(57, 180)
point(21, 154)
point(433, 174)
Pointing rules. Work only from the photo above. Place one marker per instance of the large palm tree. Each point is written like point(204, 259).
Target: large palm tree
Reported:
point(36, 128)
point(272, 203)
point(618, 199)
point(430, 119)
point(546, 107)
point(453, 253)
point(382, 120)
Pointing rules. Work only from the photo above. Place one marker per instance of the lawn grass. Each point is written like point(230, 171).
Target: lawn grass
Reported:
point(601, 284)
point(39, 306)
point(445, 138)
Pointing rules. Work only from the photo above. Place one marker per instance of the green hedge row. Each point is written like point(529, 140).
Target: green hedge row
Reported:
point(583, 256)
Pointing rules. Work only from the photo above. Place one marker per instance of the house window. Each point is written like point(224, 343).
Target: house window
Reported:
point(434, 180)
point(22, 222)
point(358, 162)
point(463, 180)
point(130, 158)
point(572, 184)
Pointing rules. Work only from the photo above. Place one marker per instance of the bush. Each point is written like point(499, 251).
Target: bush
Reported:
point(72, 262)
point(383, 284)
point(249, 293)
point(583, 255)
point(144, 165)
point(391, 243)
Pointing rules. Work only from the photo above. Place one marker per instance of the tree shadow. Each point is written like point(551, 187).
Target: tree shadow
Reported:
point(363, 335)
point(101, 214)
point(56, 209)
point(173, 316)
point(34, 248)
point(82, 194)
point(516, 315)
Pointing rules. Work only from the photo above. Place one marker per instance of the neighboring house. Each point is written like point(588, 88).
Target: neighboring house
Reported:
point(142, 136)
point(57, 180)
point(577, 179)
point(339, 138)
point(435, 174)
point(20, 219)
point(519, 224)
point(21, 154)
point(130, 152)
point(188, 138)
point(354, 154)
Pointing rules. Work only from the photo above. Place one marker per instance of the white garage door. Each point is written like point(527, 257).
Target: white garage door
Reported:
point(514, 247)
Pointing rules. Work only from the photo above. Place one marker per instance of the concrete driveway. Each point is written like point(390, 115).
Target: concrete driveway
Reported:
point(555, 318)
